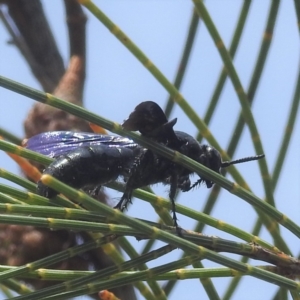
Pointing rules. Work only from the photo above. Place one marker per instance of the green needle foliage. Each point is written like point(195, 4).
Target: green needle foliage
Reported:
point(235, 250)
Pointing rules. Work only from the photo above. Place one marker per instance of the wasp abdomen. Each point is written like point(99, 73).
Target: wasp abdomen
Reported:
point(91, 165)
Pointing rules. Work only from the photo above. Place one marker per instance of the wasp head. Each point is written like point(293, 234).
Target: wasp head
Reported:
point(203, 154)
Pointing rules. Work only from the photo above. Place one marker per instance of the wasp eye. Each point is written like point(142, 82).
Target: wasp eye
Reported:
point(215, 160)
point(210, 158)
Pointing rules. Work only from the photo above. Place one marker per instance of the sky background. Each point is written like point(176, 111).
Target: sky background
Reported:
point(116, 82)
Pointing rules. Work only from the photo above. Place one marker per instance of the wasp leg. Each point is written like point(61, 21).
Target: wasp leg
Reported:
point(133, 179)
point(172, 193)
point(125, 200)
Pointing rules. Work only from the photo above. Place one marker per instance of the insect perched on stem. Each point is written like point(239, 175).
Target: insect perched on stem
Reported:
point(88, 160)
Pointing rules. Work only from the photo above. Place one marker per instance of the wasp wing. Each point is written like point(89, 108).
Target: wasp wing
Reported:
point(56, 143)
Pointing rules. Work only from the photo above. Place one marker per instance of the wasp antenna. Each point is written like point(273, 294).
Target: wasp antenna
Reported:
point(226, 164)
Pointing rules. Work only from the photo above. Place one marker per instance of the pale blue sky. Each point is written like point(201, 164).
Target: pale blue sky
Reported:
point(116, 83)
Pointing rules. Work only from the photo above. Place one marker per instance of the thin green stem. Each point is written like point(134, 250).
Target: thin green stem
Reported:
point(246, 109)
point(184, 59)
point(10, 137)
point(102, 274)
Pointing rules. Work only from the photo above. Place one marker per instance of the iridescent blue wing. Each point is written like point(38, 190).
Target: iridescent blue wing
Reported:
point(56, 143)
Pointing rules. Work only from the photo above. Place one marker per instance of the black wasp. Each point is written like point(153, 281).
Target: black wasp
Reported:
point(86, 159)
